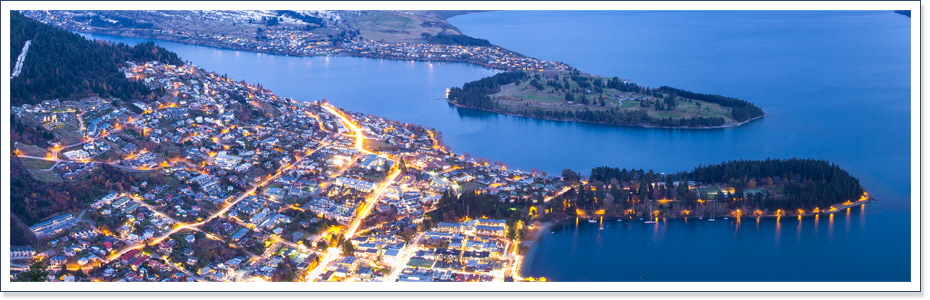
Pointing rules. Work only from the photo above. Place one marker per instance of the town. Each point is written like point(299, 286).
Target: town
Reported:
point(229, 182)
point(295, 42)
point(246, 186)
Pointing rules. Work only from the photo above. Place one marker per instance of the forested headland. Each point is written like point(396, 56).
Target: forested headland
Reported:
point(575, 96)
point(740, 187)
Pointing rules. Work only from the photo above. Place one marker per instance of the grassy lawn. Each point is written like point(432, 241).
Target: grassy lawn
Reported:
point(46, 176)
point(31, 150)
point(471, 186)
point(37, 164)
point(630, 104)
point(522, 94)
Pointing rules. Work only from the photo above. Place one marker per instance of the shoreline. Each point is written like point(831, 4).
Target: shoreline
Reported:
point(212, 44)
point(532, 246)
point(731, 125)
point(174, 39)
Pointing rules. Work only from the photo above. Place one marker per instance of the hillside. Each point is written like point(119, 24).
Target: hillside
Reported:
point(64, 65)
point(245, 26)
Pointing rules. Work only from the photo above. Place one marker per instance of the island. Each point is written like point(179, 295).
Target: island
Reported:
point(530, 87)
point(129, 165)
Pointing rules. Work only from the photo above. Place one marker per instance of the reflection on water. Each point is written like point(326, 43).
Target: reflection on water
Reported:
point(800, 222)
point(777, 231)
point(657, 247)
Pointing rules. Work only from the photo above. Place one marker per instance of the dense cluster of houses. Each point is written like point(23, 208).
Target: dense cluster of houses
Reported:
point(263, 190)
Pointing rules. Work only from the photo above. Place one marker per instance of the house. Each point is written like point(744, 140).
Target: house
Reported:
point(448, 227)
point(226, 161)
point(130, 256)
point(53, 225)
point(57, 260)
point(490, 230)
point(21, 252)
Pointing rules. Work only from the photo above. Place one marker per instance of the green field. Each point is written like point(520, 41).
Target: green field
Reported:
point(46, 176)
point(523, 94)
point(390, 26)
point(37, 164)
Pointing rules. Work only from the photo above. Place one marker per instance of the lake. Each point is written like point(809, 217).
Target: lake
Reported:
point(835, 84)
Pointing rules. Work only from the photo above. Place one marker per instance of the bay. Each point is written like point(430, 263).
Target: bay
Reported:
point(835, 84)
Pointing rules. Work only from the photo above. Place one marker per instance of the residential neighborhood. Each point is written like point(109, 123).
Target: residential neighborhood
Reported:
point(245, 185)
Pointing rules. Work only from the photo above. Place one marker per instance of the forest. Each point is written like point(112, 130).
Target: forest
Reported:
point(308, 19)
point(475, 94)
point(455, 39)
point(766, 185)
point(807, 183)
point(473, 205)
point(64, 65)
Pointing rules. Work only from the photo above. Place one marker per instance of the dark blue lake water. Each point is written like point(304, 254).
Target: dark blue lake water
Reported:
point(835, 84)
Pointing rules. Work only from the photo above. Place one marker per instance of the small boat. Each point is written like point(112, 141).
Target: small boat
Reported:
point(726, 218)
point(649, 222)
point(711, 220)
point(552, 232)
point(701, 218)
point(599, 229)
point(640, 219)
point(592, 221)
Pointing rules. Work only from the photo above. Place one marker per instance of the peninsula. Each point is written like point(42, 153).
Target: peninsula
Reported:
point(532, 87)
point(576, 96)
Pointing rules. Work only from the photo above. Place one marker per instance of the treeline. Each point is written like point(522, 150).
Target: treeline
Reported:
point(766, 185)
point(31, 134)
point(742, 110)
point(299, 16)
point(452, 208)
point(611, 116)
point(807, 182)
point(120, 22)
point(475, 94)
point(64, 65)
point(455, 39)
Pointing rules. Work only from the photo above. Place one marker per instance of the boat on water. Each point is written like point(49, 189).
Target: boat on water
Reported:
point(601, 228)
point(726, 218)
point(592, 221)
point(649, 222)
